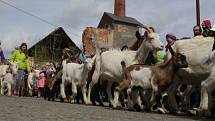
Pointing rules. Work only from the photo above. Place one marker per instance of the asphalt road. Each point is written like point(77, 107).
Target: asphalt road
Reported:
point(38, 109)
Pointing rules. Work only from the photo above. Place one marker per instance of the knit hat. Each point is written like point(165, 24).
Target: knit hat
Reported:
point(172, 36)
point(206, 22)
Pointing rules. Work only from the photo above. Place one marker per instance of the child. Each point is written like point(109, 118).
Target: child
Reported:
point(41, 84)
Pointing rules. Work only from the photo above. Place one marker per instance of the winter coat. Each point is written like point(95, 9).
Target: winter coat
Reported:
point(42, 82)
point(22, 59)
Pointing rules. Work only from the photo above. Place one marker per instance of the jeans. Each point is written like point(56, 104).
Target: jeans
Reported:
point(19, 77)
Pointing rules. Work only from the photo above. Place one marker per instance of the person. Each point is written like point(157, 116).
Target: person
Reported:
point(197, 31)
point(20, 56)
point(206, 26)
point(170, 38)
point(50, 69)
point(159, 57)
point(41, 84)
point(82, 57)
point(3, 60)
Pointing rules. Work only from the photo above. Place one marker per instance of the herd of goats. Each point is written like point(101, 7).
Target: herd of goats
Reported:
point(123, 77)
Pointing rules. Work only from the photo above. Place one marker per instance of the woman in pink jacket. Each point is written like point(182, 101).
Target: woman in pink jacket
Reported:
point(41, 84)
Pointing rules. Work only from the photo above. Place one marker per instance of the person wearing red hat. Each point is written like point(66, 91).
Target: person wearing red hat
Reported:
point(206, 26)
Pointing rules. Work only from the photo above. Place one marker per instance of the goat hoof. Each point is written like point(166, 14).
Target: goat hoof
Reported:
point(203, 113)
point(114, 106)
point(72, 101)
point(88, 103)
point(137, 107)
point(101, 104)
point(160, 110)
point(61, 99)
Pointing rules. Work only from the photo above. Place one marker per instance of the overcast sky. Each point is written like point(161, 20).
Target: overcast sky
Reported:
point(176, 16)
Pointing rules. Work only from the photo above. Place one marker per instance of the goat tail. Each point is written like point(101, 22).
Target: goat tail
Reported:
point(123, 63)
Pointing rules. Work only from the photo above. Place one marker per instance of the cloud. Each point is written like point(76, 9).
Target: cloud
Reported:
point(176, 16)
point(81, 13)
point(12, 39)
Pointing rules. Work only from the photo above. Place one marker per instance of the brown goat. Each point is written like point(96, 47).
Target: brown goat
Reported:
point(155, 77)
point(50, 86)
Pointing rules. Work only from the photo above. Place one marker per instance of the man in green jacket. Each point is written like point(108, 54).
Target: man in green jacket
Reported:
point(20, 56)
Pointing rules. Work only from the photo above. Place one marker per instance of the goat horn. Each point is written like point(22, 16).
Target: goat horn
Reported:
point(145, 27)
point(171, 50)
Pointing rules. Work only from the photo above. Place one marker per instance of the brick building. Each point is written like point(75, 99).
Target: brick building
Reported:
point(103, 37)
point(121, 27)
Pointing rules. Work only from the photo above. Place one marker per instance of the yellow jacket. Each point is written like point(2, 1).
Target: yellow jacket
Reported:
point(22, 59)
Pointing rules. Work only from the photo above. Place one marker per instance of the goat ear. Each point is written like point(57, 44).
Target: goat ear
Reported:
point(151, 29)
point(138, 35)
point(146, 34)
point(171, 50)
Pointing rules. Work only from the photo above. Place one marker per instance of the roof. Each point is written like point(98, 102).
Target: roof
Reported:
point(124, 19)
point(58, 29)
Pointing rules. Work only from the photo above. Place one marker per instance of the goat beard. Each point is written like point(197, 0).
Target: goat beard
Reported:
point(154, 53)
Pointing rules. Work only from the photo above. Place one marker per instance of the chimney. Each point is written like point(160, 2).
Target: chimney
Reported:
point(119, 8)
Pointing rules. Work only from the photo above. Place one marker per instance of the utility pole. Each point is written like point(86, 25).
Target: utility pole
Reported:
point(198, 12)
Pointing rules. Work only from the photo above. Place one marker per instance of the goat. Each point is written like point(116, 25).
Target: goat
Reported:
point(5, 69)
point(198, 74)
point(8, 83)
point(76, 74)
point(155, 77)
point(32, 80)
point(52, 86)
point(108, 63)
point(207, 87)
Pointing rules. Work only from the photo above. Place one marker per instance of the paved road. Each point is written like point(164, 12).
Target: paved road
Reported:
point(37, 109)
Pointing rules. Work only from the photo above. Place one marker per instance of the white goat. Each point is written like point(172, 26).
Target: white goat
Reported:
point(33, 78)
point(207, 86)
point(8, 83)
point(108, 63)
point(199, 70)
point(77, 75)
point(9, 71)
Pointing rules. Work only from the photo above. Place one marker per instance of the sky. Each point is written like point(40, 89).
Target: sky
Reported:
point(175, 16)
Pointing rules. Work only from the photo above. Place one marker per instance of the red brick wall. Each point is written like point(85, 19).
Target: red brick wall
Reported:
point(119, 8)
point(103, 37)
